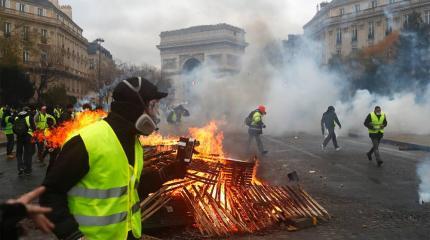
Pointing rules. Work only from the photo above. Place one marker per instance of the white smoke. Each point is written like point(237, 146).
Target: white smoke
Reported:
point(297, 94)
point(423, 172)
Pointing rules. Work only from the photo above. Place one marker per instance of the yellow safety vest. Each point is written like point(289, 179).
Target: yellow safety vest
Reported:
point(377, 123)
point(105, 202)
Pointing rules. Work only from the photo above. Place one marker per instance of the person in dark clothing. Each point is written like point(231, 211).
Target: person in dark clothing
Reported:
point(175, 116)
point(329, 120)
point(66, 115)
point(7, 124)
point(376, 122)
point(15, 210)
point(53, 152)
point(73, 161)
point(24, 143)
point(255, 128)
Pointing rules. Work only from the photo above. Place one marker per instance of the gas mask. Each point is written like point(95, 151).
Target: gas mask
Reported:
point(145, 124)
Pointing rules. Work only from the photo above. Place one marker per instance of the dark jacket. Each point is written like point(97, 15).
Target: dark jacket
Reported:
point(72, 165)
point(10, 215)
point(328, 120)
point(368, 124)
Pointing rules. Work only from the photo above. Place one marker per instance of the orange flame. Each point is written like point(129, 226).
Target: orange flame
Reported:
point(210, 139)
point(157, 139)
point(57, 136)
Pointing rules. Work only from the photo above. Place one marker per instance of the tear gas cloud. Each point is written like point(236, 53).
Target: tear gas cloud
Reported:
point(296, 93)
point(423, 171)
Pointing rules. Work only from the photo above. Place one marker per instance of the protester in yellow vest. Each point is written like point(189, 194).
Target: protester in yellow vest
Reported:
point(96, 183)
point(40, 120)
point(7, 124)
point(376, 122)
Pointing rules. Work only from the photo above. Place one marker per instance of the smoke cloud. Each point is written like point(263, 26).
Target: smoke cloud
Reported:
point(423, 172)
point(297, 92)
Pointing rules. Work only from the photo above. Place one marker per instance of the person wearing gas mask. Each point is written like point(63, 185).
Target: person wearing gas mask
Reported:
point(95, 185)
point(376, 122)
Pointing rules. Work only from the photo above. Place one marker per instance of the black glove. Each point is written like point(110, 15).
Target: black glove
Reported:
point(175, 170)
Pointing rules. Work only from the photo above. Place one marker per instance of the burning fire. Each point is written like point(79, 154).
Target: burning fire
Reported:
point(210, 139)
point(209, 136)
point(57, 136)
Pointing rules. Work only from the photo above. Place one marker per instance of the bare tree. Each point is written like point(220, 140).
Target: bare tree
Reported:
point(51, 68)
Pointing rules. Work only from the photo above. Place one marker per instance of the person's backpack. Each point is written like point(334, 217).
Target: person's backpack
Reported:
point(20, 127)
point(248, 120)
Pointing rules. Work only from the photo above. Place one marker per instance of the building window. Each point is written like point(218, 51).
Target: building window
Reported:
point(20, 7)
point(371, 33)
point(338, 51)
point(339, 36)
point(341, 11)
point(44, 36)
point(427, 17)
point(357, 8)
point(26, 56)
point(388, 26)
point(354, 34)
point(25, 33)
point(7, 29)
point(392, 1)
point(2, 3)
point(354, 50)
point(43, 57)
point(39, 11)
point(406, 20)
point(374, 4)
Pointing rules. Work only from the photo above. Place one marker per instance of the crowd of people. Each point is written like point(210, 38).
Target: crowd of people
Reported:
point(93, 188)
point(19, 126)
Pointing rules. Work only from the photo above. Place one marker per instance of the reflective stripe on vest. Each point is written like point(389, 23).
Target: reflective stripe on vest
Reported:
point(105, 202)
point(78, 191)
point(105, 220)
point(377, 123)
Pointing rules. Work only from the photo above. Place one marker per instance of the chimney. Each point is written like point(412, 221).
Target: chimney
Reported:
point(67, 9)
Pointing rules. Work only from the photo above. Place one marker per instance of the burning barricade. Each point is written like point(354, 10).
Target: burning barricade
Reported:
point(223, 195)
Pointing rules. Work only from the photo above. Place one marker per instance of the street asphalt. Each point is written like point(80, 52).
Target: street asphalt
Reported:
point(365, 202)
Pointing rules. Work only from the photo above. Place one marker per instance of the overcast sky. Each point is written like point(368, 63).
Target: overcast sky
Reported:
point(131, 28)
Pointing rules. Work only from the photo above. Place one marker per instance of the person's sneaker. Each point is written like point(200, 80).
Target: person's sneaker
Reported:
point(264, 152)
point(369, 156)
point(21, 173)
point(380, 162)
point(338, 149)
point(27, 174)
point(322, 147)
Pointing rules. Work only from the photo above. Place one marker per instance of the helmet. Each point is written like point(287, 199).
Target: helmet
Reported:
point(262, 109)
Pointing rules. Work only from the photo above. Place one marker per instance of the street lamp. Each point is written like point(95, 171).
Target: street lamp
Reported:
point(99, 41)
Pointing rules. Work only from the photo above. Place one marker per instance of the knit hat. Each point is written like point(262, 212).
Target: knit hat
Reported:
point(146, 91)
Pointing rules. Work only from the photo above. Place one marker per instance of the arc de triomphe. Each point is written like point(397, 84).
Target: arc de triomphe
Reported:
point(183, 51)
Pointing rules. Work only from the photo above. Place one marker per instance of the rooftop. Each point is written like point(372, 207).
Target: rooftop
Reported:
point(201, 28)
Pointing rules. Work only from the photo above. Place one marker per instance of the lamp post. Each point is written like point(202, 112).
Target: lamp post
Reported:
point(99, 41)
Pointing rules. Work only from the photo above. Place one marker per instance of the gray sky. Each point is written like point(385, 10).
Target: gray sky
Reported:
point(131, 27)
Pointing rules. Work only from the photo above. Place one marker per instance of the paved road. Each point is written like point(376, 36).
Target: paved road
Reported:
point(366, 202)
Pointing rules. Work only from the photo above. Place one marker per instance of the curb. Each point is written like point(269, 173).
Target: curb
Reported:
point(403, 146)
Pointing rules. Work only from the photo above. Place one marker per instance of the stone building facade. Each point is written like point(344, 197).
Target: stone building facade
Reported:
point(219, 46)
point(345, 26)
point(58, 49)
